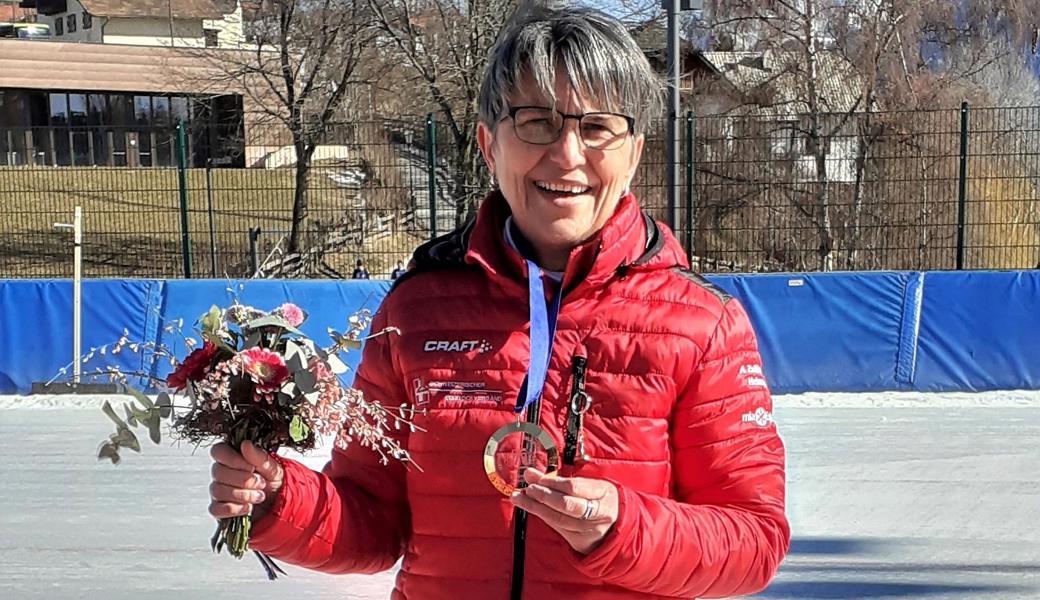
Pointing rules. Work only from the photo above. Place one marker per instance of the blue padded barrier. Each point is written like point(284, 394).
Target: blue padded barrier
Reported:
point(980, 330)
point(852, 332)
point(36, 327)
point(36, 319)
point(910, 329)
point(835, 332)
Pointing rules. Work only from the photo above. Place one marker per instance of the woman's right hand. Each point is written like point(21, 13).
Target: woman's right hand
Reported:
point(243, 483)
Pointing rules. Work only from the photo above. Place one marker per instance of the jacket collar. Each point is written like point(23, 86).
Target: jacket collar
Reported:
point(627, 240)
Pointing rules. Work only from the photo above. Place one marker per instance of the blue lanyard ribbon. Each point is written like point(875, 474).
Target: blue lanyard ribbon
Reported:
point(543, 330)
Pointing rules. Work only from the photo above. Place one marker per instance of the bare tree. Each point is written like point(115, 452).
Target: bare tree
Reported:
point(830, 64)
point(296, 66)
point(798, 39)
point(443, 46)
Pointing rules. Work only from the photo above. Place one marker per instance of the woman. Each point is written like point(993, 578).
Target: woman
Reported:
point(563, 307)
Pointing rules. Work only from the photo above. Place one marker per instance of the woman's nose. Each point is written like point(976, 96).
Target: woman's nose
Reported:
point(568, 150)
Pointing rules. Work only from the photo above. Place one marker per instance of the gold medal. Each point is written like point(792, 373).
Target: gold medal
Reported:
point(538, 434)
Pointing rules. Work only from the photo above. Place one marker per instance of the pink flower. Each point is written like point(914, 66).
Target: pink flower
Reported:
point(292, 314)
point(266, 368)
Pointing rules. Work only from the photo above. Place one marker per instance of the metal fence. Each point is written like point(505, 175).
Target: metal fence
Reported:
point(941, 189)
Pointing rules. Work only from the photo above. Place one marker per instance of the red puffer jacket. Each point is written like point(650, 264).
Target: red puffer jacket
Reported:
point(680, 422)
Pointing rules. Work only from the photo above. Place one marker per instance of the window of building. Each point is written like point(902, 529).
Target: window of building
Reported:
point(71, 22)
point(97, 109)
point(13, 111)
point(179, 109)
point(212, 37)
point(88, 21)
point(59, 27)
point(59, 109)
point(160, 111)
point(78, 110)
point(122, 109)
point(143, 110)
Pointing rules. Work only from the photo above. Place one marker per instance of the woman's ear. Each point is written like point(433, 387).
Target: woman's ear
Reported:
point(485, 140)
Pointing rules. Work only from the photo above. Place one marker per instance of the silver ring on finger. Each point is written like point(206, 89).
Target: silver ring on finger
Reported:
point(590, 507)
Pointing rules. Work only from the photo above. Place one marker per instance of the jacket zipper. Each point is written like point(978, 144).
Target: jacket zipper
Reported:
point(520, 520)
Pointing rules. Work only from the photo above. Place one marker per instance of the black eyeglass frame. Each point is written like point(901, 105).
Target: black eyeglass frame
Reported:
point(512, 110)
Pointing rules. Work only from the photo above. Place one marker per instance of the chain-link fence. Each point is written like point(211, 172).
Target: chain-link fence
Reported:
point(940, 189)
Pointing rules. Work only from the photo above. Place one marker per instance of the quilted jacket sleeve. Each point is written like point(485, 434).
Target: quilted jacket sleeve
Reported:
point(726, 532)
point(353, 516)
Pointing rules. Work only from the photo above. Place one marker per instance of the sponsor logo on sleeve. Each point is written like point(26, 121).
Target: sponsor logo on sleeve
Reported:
point(760, 417)
point(752, 375)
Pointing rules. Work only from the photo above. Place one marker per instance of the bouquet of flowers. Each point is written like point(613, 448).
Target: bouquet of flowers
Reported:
point(257, 377)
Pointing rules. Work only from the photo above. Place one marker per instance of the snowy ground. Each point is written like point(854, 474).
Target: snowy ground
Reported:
point(890, 496)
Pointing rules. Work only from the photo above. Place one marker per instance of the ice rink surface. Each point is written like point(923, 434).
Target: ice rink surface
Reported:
point(890, 496)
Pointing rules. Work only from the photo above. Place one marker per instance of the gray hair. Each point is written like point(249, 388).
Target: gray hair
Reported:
point(594, 50)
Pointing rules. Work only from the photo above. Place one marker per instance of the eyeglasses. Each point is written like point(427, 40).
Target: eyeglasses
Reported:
point(543, 126)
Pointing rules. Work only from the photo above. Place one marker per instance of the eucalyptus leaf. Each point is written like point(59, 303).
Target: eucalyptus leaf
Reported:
point(108, 410)
point(290, 389)
point(139, 415)
point(211, 320)
point(110, 451)
point(295, 359)
point(284, 399)
point(306, 381)
point(312, 397)
point(152, 422)
point(129, 416)
point(252, 340)
point(272, 321)
point(337, 365)
point(298, 429)
point(145, 401)
point(313, 349)
point(165, 405)
point(124, 438)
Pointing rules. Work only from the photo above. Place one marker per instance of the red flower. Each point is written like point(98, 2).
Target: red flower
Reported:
point(266, 368)
point(194, 367)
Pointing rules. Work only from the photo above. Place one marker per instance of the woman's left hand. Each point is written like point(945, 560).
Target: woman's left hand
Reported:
point(581, 510)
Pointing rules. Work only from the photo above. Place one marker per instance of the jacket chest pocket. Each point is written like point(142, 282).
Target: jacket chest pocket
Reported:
point(619, 416)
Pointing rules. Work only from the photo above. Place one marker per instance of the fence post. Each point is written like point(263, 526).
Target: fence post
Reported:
point(212, 229)
point(962, 188)
point(690, 207)
point(254, 260)
point(431, 170)
point(182, 184)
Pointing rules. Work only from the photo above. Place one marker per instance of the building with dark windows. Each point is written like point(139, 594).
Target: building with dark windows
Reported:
point(65, 104)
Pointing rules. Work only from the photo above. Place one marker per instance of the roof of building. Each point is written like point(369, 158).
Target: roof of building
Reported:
point(177, 9)
point(783, 74)
point(106, 67)
point(652, 35)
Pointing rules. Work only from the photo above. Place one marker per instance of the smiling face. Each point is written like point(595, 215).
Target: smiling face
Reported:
point(561, 194)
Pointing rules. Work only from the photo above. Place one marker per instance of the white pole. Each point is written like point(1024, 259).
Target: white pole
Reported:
point(77, 225)
point(77, 276)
